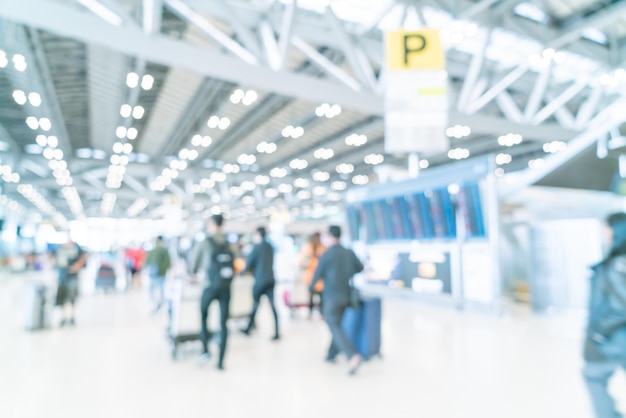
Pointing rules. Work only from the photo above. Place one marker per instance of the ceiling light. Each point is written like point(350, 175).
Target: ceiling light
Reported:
point(328, 110)
point(338, 185)
point(502, 159)
point(374, 159)
point(235, 191)
point(360, 180)
point(324, 153)
point(206, 141)
point(137, 207)
point(19, 96)
point(458, 131)
point(147, 82)
point(52, 141)
point(334, 197)
point(217, 176)
point(262, 180)
point(248, 200)
point(196, 140)
point(45, 124)
point(132, 80)
point(248, 186)
point(207, 183)
point(298, 164)
point(127, 148)
point(230, 168)
point(510, 140)
point(32, 122)
point(424, 164)
point(34, 99)
point(138, 112)
point(345, 168)
point(126, 110)
point(213, 122)
point(321, 176)
point(554, 147)
point(115, 159)
point(118, 148)
point(19, 62)
point(356, 140)
point(537, 163)
point(297, 132)
point(237, 96)
point(278, 172)
point(319, 190)
point(120, 132)
point(132, 133)
point(287, 131)
point(303, 195)
point(271, 193)
point(183, 154)
point(48, 153)
point(250, 97)
point(193, 155)
point(301, 182)
point(458, 154)
point(266, 148)
point(41, 140)
point(285, 188)
point(246, 159)
point(224, 123)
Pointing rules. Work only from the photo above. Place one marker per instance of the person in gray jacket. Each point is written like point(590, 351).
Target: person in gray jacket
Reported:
point(261, 263)
point(605, 342)
point(336, 267)
point(214, 257)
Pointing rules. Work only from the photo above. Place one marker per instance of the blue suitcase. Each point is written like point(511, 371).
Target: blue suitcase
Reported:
point(362, 326)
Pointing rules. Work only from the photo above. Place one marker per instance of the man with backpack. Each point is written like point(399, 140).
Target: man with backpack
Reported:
point(605, 343)
point(215, 258)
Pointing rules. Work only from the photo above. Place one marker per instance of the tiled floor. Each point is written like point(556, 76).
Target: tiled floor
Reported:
point(437, 363)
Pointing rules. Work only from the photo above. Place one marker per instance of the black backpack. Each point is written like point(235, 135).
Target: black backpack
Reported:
point(222, 268)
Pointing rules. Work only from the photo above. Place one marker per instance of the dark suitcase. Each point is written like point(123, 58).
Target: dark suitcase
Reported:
point(105, 278)
point(362, 326)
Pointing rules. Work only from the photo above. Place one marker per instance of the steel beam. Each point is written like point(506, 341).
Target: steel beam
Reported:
point(68, 21)
point(559, 102)
point(185, 12)
point(325, 64)
point(286, 31)
point(509, 107)
point(539, 90)
point(589, 107)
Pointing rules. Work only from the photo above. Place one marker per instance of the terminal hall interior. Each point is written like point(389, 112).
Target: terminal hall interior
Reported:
point(470, 152)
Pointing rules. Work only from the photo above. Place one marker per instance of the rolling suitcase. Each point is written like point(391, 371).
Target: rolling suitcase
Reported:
point(362, 326)
point(184, 314)
point(105, 278)
point(36, 307)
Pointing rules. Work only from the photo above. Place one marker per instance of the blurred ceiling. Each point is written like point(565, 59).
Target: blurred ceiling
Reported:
point(108, 106)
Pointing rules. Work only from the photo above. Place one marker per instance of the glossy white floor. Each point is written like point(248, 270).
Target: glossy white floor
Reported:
point(437, 363)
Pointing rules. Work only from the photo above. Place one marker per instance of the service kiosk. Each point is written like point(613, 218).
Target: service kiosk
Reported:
point(433, 238)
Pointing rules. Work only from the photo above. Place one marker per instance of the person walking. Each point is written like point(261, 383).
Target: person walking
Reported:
point(309, 259)
point(70, 260)
point(336, 267)
point(605, 342)
point(158, 262)
point(215, 257)
point(260, 262)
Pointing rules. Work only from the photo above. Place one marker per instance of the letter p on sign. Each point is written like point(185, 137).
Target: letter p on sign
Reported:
point(414, 50)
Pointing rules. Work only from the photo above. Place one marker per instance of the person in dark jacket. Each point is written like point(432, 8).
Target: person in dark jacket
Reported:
point(605, 342)
point(336, 267)
point(214, 259)
point(261, 264)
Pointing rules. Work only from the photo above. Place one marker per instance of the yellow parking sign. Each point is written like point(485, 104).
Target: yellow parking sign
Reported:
point(414, 50)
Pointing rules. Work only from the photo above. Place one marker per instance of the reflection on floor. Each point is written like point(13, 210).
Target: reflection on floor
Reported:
point(437, 363)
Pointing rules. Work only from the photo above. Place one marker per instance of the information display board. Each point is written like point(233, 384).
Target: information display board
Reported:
point(423, 215)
